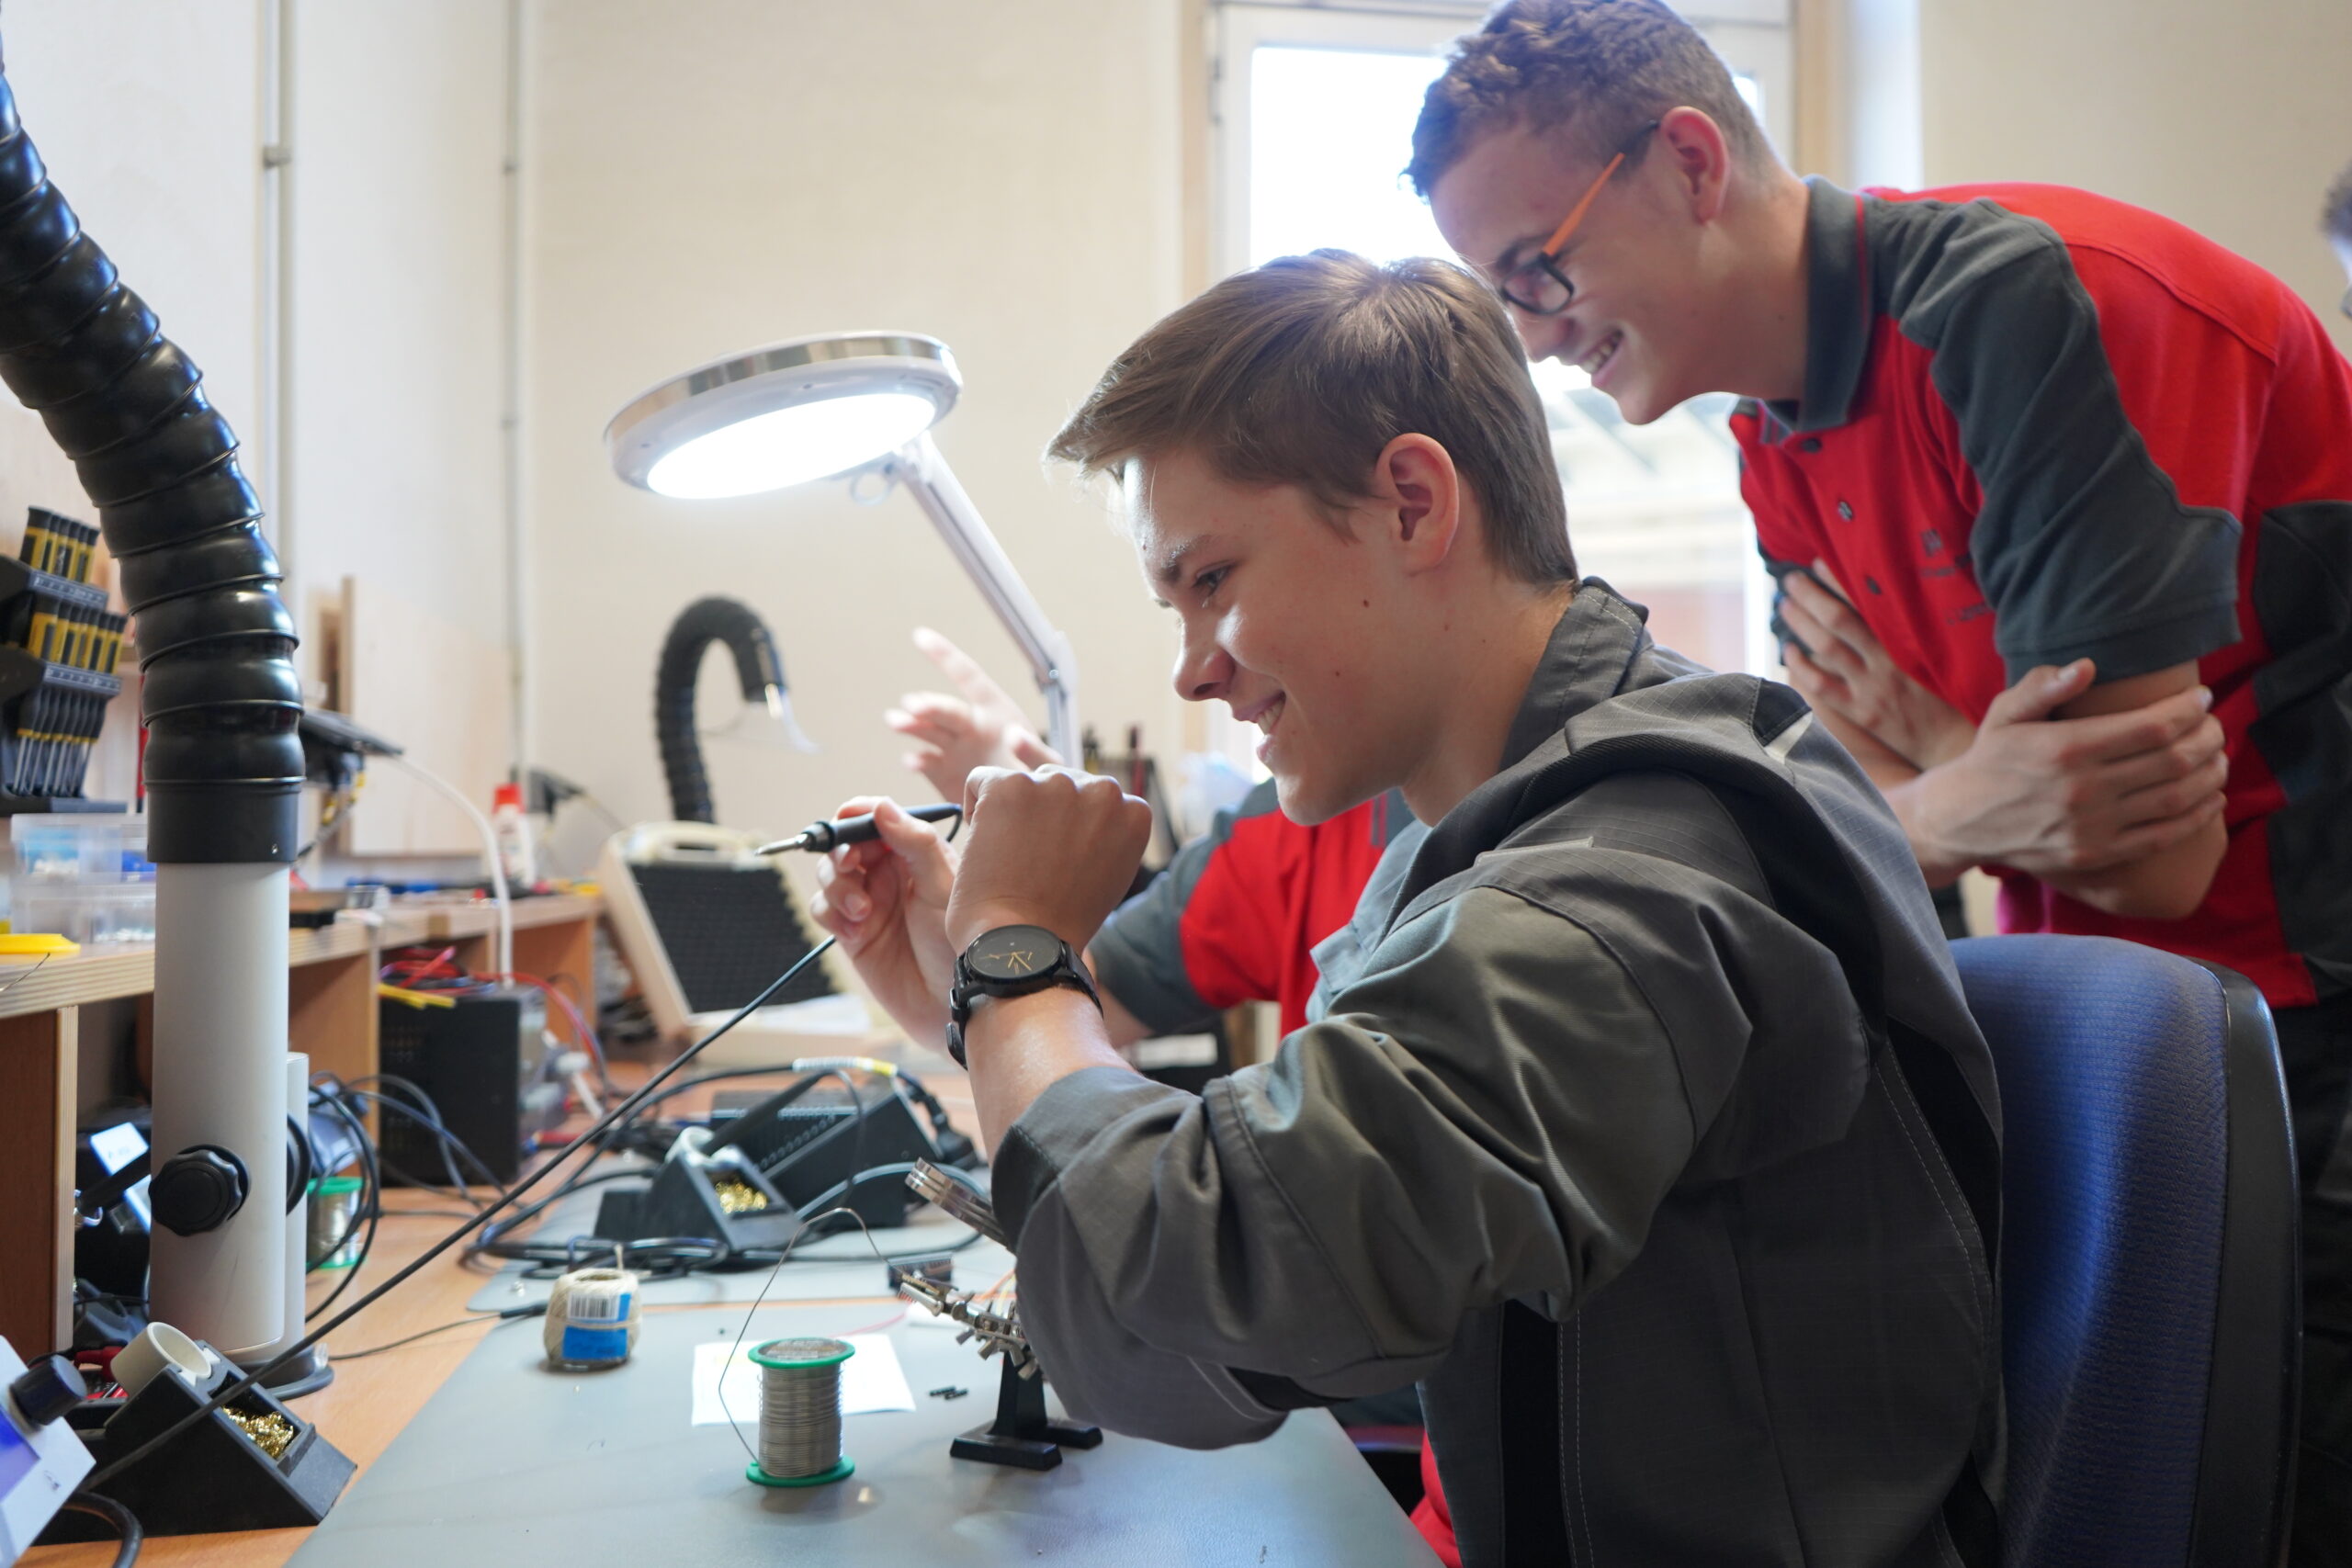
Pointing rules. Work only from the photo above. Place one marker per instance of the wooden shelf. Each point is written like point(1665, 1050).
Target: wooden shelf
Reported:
point(111, 970)
point(331, 1017)
point(443, 921)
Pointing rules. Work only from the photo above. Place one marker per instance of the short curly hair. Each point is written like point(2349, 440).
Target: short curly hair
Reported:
point(2336, 218)
point(1600, 68)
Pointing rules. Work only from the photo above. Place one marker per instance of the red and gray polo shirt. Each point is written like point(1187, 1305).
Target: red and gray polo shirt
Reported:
point(2039, 426)
point(1236, 916)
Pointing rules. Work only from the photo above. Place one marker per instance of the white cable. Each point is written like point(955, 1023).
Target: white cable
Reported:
point(490, 854)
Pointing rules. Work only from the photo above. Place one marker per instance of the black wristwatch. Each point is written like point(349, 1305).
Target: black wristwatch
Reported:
point(1010, 961)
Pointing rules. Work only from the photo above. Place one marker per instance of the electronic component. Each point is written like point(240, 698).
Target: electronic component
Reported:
point(705, 923)
point(250, 1464)
point(486, 1062)
point(41, 1461)
point(59, 648)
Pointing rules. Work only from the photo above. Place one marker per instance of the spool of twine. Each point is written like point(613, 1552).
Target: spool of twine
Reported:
point(591, 1318)
point(800, 1413)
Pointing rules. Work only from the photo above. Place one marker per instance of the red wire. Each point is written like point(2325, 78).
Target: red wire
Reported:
point(415, 971)
point(889, 1321)
point(414, 968)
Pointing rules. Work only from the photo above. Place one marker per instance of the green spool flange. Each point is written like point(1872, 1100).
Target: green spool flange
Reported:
point(822, 1478)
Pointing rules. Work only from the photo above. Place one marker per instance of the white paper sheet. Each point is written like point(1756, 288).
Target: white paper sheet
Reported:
point(872, 1380)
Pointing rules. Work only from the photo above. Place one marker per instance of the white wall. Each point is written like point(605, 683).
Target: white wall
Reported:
point(147, 114)
point(2230, 117)
point(151, 115)
point(398, 134)
point(396, 385)
point(712, 175)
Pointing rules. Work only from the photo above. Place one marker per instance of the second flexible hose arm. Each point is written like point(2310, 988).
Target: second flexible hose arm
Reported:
point(757, 665)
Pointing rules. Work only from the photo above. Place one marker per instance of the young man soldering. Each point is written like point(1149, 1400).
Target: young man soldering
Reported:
point(1642, 1125)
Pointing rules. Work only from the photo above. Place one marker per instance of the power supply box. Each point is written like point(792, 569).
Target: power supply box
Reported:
point(487, 1067)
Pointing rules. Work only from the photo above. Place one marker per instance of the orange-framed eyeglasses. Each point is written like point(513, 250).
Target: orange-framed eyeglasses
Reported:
point(1537, 286)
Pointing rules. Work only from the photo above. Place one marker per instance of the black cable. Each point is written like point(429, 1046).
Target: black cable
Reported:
point(828, 1202)
point(423, 1112)
point(125, 1523)
point(285, 1358)
point(427, 1114)
point(446, 1140)
point(699, 1079)
point(363, 1150)
point(493, 1234)
point(86, 1292)
point(669, 1256)
point(371, 1195)
point(512, 1315)
point(664, 1256)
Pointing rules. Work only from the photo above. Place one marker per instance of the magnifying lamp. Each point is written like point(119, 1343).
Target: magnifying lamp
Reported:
point(841, 404)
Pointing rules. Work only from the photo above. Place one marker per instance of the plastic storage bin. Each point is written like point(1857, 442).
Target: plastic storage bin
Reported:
point(87, 847)
point(84, 877)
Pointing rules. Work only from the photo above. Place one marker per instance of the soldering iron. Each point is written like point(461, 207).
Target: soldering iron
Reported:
point(835, 832)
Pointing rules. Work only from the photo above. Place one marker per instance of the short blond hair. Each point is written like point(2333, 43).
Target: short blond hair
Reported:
point(1302, 371)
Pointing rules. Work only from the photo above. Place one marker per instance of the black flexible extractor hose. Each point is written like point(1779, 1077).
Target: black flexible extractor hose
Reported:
point(223, 766)
point(220, 694)
point(699, 625)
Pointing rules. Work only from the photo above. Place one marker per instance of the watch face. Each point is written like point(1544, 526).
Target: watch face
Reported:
point(1013, 952)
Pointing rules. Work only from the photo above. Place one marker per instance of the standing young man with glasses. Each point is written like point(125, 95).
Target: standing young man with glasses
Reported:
point(2061, 496)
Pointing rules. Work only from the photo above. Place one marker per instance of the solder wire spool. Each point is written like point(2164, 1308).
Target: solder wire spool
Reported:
point(800, 1413)
point(591, 1318)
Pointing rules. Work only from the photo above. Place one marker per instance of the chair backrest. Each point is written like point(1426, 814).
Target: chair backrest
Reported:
point(2151, 1323)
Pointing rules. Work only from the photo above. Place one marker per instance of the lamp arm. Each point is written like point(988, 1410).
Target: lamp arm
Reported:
point(919, 466)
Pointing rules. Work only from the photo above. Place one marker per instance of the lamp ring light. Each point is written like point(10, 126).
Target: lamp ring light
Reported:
point(837, 403)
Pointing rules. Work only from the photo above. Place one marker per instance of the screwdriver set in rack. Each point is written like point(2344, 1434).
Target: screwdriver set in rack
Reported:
point(59, 648)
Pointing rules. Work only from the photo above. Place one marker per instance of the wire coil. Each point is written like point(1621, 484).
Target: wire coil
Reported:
point(591, 1318)
point(800, 1413)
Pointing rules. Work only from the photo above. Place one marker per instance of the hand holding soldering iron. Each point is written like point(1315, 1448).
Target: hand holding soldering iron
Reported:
point(1053, 847)
point(886, 899)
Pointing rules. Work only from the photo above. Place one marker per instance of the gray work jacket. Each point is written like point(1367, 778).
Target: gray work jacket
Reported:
point(1645, 1129)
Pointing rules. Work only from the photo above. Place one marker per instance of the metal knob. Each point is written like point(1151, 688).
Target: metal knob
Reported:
point(197, 1190)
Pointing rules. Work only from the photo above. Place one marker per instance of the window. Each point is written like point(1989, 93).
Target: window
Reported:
point(1314, 107)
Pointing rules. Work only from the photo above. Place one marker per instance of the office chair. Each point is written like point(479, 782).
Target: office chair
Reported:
point(2151, 1318)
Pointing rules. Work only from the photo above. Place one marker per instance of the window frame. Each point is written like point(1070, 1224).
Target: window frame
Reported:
point(1756, 38)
